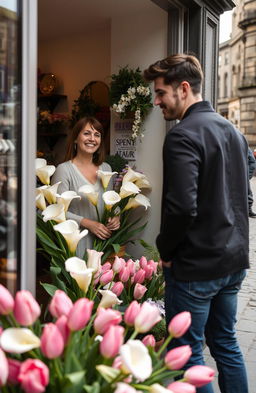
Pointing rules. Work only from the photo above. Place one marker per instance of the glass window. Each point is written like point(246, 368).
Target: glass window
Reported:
point(9, 141)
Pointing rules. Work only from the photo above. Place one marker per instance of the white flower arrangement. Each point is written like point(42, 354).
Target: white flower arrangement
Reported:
point(130, 93)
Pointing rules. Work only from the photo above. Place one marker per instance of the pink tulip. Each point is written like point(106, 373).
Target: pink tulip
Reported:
point(6, 301)
point(118, 264)
point(117, 363)
point(107, 266)
point(4, 369)
point(139, 291)
point(143, 262)
point(60, 304)
point(180, 324)
point(124, 388)
point(131, 313)
point(199, 375)
point(80, 314)
point(148, 316)
point(131, 266)
point(139, 276)
point(33, 376)
point(52, 343)
point(105, 318)
point(149, 341)
point(62, 325)
point(176, 358)
point(107, 277)
point(148, 272)
point(181, 387)
point(153, 265)
point(97, 276)
point(14, 370)
point(112, 341)
point(118, 288)
point(26, 308)
point(124, 274)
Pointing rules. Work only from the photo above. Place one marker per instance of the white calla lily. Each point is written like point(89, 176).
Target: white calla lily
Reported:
point(40, 162)
point(132, 176)
point(70, 231)
point(128, 189)
point(40, 202)
point(94, 259)
point(156, 388)
point(110, 198)
point(108, 299)
point(105, 177)
point(54, 212)
point(44, 173)
point(50, 192)
point(18, 340)
point(136, 359)
point(78, 270)
point(66, 198)
point(143, 183)
point(90, 193)
point(139, 200)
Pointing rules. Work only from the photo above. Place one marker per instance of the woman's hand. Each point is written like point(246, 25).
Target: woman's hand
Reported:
point(113, 223)
point(98, 229)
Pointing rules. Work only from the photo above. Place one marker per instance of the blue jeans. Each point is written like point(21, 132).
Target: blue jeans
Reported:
point(213, 306)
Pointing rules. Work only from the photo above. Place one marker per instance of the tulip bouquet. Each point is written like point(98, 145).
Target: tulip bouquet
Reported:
point(89, 348)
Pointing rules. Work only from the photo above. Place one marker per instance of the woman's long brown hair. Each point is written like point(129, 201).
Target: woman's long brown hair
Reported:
point(99, 155)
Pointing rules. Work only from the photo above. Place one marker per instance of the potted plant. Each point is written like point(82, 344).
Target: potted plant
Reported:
point(130, 97)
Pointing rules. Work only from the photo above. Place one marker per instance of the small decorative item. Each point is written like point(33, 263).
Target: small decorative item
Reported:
point(131, 97)
point(51, 122)
point(47, 84)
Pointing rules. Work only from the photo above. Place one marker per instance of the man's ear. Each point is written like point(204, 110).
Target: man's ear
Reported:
point(185, 88)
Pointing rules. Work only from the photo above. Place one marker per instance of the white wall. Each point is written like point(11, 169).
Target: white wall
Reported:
point(76, 60)
point(138, 41)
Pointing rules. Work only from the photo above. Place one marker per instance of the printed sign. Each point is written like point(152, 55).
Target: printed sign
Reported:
point(125, 146)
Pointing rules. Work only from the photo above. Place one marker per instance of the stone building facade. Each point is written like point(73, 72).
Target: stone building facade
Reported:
point(237, 71)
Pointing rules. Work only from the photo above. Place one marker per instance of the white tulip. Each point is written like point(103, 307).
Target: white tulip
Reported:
point(54, 212)
point(40, 202)
point(40, 162)
point(156, 388)
point(108, 299)
point(44, 173)
point(94, 259)
point(128, 189)
point(105, 177)
point(18, 340)
point(4, 368)
point(78, 270)
point(132, 176)
point(66, 198)
point(124, 388)
point(143, 183)
point(139, 200)
point(90, 193)
point(136, 359)
point(110, 198)
point(70, 231)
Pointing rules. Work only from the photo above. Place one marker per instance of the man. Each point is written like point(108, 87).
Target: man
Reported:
point(251, 169)
point(203, 241)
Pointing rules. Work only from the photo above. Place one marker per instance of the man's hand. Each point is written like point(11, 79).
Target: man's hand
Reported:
point(165, 264)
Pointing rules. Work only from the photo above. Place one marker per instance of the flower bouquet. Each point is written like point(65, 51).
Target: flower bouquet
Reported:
point(51, 122)
point(89, 348)
point(129, 93)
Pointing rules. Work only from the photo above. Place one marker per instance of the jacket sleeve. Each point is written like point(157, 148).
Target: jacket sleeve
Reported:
point(179, 204)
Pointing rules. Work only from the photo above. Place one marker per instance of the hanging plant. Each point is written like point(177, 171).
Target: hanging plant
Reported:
point(130, 94)
point(83, 106)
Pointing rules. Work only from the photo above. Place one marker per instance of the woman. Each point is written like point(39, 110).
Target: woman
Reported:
point(84, 157)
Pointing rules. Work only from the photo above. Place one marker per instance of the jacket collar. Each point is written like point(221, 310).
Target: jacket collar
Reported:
point(201, 106)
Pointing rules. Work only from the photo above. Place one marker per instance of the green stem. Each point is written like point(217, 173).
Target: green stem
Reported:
point(166, 342)
point(134, 334)
point(57, 368)
point(158, 372)
point(98, 214)
point(99, 287)
point(139, 386)
point(13, 320)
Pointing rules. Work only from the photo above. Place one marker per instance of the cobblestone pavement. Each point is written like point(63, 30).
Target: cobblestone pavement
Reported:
point(246, 318)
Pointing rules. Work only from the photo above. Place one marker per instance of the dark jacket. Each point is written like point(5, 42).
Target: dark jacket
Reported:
point(204, 228)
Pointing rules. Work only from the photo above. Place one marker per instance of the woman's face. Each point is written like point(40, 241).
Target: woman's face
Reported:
point(88, 140)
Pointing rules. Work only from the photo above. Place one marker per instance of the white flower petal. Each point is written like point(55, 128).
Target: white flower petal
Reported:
point(128, 189)
point(110, 198)
point(132, 176)
point(105, 177)
point(54, 212)
point(44, 173)
point(90, 193)
point(75, 264)
point(70, 232)
point(109, 299)
point(18, 340)
point(40, 162)
point(136, 359)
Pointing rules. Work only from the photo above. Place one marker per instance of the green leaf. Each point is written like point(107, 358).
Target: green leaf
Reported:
point(116, 247)
point(51, 289)
point(76, 377)
point(94, 388)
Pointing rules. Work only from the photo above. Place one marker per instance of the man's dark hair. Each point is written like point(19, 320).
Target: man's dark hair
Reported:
point(176, 69)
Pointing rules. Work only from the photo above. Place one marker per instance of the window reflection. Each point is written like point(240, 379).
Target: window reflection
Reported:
point(9, 126)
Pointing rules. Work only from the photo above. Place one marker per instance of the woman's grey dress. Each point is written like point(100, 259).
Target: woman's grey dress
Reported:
point(71, 180)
